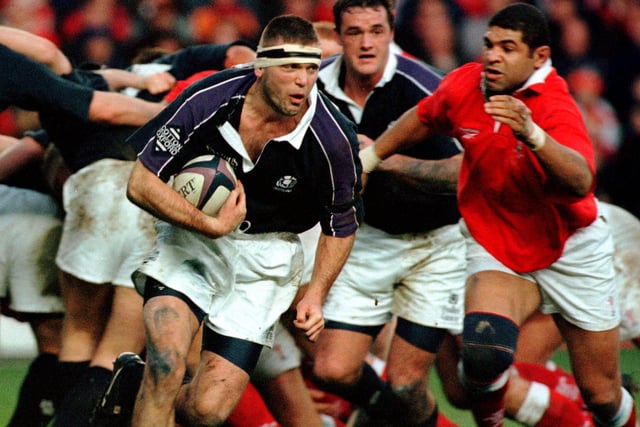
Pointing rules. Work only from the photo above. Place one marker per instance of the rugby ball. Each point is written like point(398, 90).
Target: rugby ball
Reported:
point(206, 181)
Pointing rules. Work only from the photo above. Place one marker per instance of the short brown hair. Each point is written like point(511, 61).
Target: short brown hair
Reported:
point(289, 29)
point(341, 5)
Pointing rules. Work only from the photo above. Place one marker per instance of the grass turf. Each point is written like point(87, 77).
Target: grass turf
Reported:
point(12, 372)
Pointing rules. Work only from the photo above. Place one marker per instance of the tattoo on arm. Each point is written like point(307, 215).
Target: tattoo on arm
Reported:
point(432, 176)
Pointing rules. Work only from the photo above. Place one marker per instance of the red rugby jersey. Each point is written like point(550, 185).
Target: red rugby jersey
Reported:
point(504, 196)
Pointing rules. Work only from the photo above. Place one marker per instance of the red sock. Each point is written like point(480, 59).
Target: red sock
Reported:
point(488, 408)
point(562, 411)
point(444, 421)
point(251, 411)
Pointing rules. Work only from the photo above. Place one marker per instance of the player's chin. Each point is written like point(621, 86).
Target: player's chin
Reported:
point(493, 87)
point(369, 67)
point(500, 87)
point(290, 110)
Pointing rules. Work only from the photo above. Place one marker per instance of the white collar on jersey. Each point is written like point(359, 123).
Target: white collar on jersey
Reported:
point(295, 137)
point(330, 77)
point(538, 76)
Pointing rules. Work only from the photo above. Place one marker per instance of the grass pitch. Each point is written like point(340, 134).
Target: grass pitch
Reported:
point(12, 372)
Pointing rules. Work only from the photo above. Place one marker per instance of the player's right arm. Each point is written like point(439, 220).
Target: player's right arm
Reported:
point(430, 176)
point(149, 192)
point(118, 109)
point(36, 48)
point(118, 79)
point(405, 132)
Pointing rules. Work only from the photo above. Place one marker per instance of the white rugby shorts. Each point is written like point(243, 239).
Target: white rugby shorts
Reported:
point(309, 241)
point(419, 277)
point(105, 236)
point(30, 226)
point(626, 262)
point(581, 285)
point(283, 356)
point(243, 282)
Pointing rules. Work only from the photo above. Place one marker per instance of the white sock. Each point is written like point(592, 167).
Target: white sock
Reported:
point(624, 411)
point(534, 405)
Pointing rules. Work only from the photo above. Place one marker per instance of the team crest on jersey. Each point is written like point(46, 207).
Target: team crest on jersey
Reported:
point(168, 140)
point(468, 133)
point(286, 184)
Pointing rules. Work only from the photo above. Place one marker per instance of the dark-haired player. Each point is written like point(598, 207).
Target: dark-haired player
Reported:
point(408, 256)
point(535, 235)
point(294, 156)
point(105, 238)
point(30, 225)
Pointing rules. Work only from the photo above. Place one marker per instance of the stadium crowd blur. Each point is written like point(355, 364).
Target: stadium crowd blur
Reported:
point(597, 50)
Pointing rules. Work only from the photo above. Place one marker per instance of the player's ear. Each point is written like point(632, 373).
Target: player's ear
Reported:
point(258, 71)
point(540, 55)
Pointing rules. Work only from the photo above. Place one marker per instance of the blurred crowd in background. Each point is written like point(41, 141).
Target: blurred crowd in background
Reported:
point(597, 50)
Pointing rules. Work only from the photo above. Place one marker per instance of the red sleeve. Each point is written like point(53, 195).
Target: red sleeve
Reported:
point(434, 110)
point(183, 84)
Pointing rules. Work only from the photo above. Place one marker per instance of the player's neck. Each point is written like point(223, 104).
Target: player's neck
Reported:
point(358, 87)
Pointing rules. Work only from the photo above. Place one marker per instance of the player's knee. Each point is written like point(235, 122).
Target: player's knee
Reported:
point(488, 344)
point(330, 370)
point(408, 394)
point(201, 412)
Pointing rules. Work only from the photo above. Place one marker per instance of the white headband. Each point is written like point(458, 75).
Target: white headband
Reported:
point(287, 54)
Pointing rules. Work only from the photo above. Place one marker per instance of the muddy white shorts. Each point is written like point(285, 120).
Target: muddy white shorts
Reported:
point(105, 236)
point(419, 277)
point(626, 262)
point(30, 226)
point(244, 282)
point(581, 285)
point(283, 356)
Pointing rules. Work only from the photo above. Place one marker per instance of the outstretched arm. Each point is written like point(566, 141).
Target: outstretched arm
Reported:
point(118, 109)
point(405, 132)
point(36, 48)
point(119, 79)
point(64, 95)
point(429, 176)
